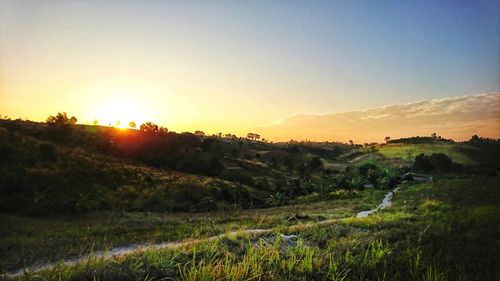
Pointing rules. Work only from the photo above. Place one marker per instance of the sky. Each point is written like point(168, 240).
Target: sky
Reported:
point(235, 66)
point(457, 118)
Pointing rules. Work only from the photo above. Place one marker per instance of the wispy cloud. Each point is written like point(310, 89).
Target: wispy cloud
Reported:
point(454, 117)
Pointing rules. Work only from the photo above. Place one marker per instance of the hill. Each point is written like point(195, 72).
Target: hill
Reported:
point(224, 204)
point(79, 168)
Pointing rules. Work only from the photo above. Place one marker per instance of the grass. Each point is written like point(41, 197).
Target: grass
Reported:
point(446, 230)
point(25, 241)
point(408, 151)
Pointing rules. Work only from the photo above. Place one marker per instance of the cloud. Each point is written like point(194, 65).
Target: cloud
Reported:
point(455, 117)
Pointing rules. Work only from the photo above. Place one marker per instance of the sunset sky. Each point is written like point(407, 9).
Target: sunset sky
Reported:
point(287, 69)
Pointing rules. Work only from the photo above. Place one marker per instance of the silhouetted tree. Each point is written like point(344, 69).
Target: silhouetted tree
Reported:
point(253, 136)
point(474, 138)
point(61, 119)
point(149, 127)
point(60, 124)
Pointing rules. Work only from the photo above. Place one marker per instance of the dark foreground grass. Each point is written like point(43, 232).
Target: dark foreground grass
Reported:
point(447, 230)
point(28, 241)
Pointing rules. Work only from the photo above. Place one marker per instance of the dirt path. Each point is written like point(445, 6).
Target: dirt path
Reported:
point(139, 248)
point(359, 158)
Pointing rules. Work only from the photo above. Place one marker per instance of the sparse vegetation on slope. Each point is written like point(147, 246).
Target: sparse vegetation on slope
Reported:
point(420, 238)
point(94, 188)
point(410, 151)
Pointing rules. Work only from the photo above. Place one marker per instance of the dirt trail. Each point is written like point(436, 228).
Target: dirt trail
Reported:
point(386, 202)
point(138, 248)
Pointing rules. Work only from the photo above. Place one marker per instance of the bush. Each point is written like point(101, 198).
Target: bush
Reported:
point(5, 152)
point(47, 152)
point(440, 161)
point(276, 199)
point(435, 162)
point(60, 125)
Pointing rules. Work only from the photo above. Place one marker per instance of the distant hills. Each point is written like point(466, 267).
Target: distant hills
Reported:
point(456, 117)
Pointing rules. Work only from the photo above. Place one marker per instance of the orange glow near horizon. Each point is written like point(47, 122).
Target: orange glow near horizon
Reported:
point(120, 113)
point(237, 67)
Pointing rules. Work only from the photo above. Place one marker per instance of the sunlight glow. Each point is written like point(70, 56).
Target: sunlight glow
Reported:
point(120, 112)
point(117, 102)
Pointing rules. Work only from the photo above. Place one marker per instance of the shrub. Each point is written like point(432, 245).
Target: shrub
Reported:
point(435, 162)
point(440, 161)
point(60, 125)
point(47, 152)
point(5, 152)
point(367, 168)
point(276, 199)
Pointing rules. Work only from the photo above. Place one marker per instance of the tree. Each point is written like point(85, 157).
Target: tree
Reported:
point(61, 120)
point(387, 139)
point(149, 127)
point(60, 124)
point(440, 161)
point(72, 120)
point(475, 139)
point(199, 133)
point(253, 136)
point(434, 162)
point(434, 136)
point(351, 142)
point(131, 124)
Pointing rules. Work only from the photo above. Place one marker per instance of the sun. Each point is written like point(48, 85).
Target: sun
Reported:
point(121, 112)
point(119, 103)
point(116, 102)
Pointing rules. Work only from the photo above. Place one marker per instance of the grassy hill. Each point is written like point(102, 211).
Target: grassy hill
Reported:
point(446, 230)
point(458, 152)
point(477, 154)
point(71, 190)
point(74, 169)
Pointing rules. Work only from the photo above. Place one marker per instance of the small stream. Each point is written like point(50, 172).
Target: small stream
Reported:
point(138, 248)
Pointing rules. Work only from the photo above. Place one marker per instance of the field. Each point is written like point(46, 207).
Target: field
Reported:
point(421, 237)
point(28, 240)
point(409, 151)
point(96, 204)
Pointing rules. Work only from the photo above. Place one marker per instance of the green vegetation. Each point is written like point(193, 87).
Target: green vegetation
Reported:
point(409, 151)
point(420, 238)
point(68, 191)
point(61, 168)
point(31, 240)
